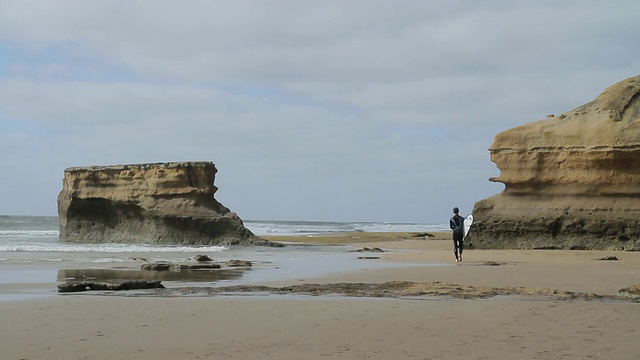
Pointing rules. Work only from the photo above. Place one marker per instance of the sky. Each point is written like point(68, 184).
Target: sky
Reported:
point(311, 110)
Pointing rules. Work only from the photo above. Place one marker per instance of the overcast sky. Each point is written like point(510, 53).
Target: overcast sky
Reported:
point(311, 110)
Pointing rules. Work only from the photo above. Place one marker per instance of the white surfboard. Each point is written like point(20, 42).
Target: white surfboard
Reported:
point(467, 224)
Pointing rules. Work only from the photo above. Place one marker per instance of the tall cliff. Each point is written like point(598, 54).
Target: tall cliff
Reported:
point(169, 203)
point(571, 181)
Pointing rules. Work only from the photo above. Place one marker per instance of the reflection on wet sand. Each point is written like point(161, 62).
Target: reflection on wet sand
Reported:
point(133, 274)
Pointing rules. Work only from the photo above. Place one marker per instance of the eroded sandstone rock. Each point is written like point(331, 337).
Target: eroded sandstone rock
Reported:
point(169, 203)
point(571, 181)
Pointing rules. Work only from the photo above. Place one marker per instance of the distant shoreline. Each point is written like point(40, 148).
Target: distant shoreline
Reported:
point(358, 237)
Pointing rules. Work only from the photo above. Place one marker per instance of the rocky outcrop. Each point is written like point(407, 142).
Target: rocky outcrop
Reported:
point(170, 203)
point(391, 289)
point(572, 181)
point(77, 286)
point(631, 292)
point(239, 263)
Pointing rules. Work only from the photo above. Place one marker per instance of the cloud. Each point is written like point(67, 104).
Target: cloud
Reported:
point(331, 110)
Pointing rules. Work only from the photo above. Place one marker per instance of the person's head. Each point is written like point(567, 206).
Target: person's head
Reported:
point(455, 210)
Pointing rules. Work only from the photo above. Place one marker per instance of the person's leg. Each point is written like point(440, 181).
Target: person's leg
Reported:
point(455, 248)
point(461, 248)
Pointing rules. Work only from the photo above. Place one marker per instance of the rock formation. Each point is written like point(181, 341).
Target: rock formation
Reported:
point(115, 285)
point(571, 181)
point(170, 203)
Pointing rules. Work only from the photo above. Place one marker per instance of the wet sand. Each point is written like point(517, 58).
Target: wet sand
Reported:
point(515, 304)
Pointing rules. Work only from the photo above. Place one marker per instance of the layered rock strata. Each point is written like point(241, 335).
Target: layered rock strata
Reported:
point(171, 203)
point(572, 181)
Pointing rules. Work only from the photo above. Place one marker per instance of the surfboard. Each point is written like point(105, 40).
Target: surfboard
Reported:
point(467, 224)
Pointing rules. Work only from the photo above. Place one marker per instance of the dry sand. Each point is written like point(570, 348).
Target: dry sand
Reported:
point(534, 320)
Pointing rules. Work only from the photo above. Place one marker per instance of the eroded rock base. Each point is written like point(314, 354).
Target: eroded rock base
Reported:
point(512, 222)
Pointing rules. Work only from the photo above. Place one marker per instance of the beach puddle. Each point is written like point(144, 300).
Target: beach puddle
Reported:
point(134, 274)
point(26, 276)
point(23, 297)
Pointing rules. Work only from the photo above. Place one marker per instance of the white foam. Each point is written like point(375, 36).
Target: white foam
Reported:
point(29, 233)
point(310, 228)
point(104, 248)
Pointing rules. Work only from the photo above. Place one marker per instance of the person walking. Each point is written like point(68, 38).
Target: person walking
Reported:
point(456, 223)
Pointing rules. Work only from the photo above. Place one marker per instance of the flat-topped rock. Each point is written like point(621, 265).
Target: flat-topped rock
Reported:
point(171, 203)
point(572, 181)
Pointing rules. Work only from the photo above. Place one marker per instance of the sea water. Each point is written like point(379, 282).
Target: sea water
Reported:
point(31, 252)
point(34, 239)
point(311, 228)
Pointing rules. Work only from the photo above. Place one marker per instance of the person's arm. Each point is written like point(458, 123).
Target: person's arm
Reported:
point(457, 222)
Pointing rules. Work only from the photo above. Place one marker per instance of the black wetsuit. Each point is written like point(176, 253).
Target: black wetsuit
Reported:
point(457, 225)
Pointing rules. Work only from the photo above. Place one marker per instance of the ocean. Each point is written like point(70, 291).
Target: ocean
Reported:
point(26, 239)
point(30, 252)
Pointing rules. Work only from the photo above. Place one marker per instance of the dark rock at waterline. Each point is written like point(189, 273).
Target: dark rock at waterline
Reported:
point(163, 266)
point(369, 249)
point(239, 263)
point(198, 266)
point(421, 234)
point(202, 262)
point(202, 258)
point(608, 258)
point(78, 286)
point(156, 266)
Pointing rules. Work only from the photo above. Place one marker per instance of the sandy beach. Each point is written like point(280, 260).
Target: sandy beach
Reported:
point(497, 304)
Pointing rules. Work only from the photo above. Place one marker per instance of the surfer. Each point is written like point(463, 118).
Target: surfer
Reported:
point(456, 223)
